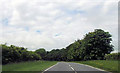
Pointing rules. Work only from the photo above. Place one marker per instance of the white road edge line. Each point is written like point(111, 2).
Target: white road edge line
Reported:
point(94, 67)
point(49, 68)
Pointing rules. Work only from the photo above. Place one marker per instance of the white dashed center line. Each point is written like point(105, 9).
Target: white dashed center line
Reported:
point(72, 68)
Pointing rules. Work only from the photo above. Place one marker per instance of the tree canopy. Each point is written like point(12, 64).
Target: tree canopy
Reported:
point(17, 54)
point(42, 52)
point(94, 46)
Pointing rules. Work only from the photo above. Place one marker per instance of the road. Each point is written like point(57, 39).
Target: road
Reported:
point(65, 67)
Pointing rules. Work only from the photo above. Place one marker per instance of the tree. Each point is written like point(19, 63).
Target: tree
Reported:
point(42, 52)
point(97, 44)
point(57, 55)
point(74, 50)
point(17, 54)
point(63, 54)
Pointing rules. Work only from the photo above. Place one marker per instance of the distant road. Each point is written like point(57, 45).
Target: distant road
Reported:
point(65, 67)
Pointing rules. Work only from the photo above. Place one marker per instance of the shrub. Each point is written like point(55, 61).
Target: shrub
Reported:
point(12, 54)
point(113, 56)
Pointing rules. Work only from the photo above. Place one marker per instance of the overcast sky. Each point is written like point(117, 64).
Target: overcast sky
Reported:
point(55, 24)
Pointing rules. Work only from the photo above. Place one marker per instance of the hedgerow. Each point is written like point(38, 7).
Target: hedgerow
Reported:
point(113, 56)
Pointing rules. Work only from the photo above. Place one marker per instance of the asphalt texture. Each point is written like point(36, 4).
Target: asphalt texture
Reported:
point(66, 67)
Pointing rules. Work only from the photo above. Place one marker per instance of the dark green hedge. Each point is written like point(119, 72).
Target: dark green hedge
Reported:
point(12, 54)
point(113, 56)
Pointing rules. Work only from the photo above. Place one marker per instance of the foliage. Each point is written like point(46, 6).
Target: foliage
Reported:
point(113, 56)
point(17, 54)
point(57, 55)
point(74, 51)
point(97, 44)
point(42, 52)
point(94, 46)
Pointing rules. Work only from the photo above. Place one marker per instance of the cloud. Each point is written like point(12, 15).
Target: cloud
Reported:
point(55, 24)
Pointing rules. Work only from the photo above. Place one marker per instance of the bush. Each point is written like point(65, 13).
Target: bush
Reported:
point(113, 56)
point(12, 54)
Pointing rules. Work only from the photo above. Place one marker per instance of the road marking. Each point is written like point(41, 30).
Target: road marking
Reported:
point(49, 68)
point(93, 67)
point(72, 68)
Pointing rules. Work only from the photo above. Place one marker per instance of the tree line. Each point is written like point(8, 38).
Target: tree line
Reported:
point(17, 54)
point(113, 56)
point(94, 46)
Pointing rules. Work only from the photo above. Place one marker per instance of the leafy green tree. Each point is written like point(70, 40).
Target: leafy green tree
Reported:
point(17, 54)
point(63, 54)
point(42, 52)
point(74, 50)
point(97, 44)
point(5, 55)
point(57, 55)
point(113, 56)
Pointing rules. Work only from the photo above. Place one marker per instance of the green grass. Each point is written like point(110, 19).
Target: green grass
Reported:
point(28, 66)
point(37, 66)
point(107, 65)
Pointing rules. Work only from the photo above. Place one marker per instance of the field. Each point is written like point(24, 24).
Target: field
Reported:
point(28, 66)
point(111, 66)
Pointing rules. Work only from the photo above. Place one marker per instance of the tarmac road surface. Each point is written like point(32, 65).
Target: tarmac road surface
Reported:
point(66, 67)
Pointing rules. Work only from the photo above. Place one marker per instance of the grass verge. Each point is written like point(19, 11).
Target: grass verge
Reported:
point(31, 66)
point(111, 66)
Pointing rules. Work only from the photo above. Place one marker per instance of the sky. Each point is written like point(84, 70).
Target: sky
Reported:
point(54, 24)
